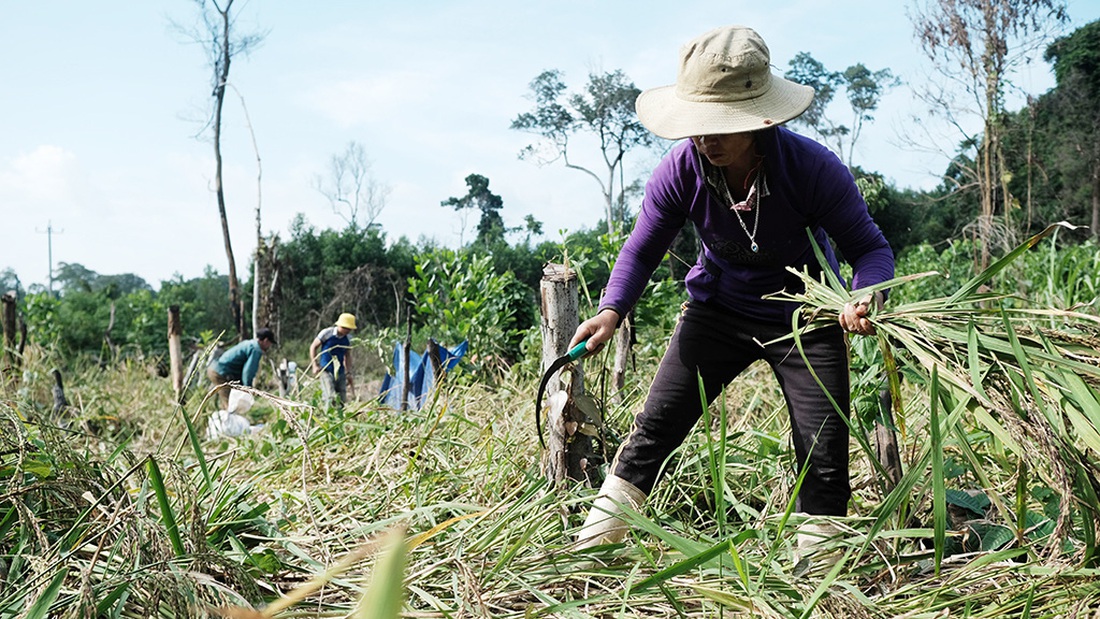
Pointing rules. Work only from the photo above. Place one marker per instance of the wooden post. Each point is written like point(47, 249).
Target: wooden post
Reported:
point(560, 317)
point(9, 301)
point(406, 383)
point(434, 357)
point(9, 360)
point(175, 354)
point(624, 346)
point(60, 402)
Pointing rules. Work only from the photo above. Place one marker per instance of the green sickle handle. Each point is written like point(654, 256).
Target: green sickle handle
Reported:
point(578, 351)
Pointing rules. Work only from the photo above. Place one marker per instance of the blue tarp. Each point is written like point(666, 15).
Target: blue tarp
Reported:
point(421, 372)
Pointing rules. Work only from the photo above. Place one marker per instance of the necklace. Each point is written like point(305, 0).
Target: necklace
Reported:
point(752, 203)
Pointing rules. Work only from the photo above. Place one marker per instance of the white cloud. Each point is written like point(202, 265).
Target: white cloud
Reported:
point(48, 175)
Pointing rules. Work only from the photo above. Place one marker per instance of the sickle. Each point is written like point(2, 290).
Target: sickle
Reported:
point(574, 353)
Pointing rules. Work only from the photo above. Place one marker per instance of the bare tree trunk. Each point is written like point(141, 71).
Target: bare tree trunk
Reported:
point(175, 357)
point(265, 300)
point(610, 202)
point(222, 68)
point(258, 286)
point(624, 344)
point(273, 298)
point(221, 42)
point(567, 448)
point(234, 286)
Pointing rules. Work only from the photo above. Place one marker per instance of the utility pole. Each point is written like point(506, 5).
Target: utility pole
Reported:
point(49, 249)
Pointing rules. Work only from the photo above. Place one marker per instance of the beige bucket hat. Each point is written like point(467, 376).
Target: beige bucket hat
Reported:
point(724, 85)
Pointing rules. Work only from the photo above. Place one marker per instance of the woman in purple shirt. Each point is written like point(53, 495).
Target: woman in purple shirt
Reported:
point(751, 188)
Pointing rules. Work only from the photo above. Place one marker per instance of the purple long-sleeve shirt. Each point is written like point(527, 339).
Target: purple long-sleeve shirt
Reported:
point(807, 186)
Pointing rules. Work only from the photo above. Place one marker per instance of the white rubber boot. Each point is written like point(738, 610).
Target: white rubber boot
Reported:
point(603, 525)
point(816, 538)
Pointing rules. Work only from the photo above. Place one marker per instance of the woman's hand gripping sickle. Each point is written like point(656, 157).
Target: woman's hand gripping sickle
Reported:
point(597, 330)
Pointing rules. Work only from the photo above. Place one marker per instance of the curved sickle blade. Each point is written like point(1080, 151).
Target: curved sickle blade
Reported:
point(574, 353)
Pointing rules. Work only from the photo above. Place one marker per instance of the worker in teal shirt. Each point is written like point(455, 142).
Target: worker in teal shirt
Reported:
point(240, 363)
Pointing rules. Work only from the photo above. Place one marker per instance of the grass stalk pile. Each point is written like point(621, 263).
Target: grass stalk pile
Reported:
point(118, 507)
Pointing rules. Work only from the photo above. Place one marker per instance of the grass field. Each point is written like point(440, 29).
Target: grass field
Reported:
point(119, 507)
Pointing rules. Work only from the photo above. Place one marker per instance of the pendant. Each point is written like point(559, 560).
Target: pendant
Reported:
point(755, 247)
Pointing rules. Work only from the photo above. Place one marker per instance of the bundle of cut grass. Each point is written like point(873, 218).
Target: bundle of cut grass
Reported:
point(1009, 389)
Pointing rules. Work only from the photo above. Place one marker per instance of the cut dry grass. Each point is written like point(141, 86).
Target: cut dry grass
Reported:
point(995, 515)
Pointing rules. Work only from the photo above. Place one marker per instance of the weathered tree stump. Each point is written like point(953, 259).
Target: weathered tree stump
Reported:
point(568, 450)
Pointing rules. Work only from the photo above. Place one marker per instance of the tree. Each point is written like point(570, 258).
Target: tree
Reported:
point(74, 277)
point(605, 110)
point(223, 43)
point(490, 229)
point(201, 303)
point(1077, 71)
point(863, 88)
point(975, 44)
point(350, 189)
point(328, 271)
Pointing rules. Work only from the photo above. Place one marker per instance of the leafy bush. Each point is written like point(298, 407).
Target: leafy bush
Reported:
point(457, 296)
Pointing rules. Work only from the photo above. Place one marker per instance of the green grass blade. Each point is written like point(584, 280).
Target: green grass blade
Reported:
point(106, 603)
point(682, 567)
point(1028, 374)
point(716, 457)
point(41, 607)
point(973, 356)
point(168, 517)
point(386, 594)
point(196, 447)
point(978, 467)
point(971, 287)
point(823, 587)
point(833, 281)
point(939, 499)
point(1021, 499)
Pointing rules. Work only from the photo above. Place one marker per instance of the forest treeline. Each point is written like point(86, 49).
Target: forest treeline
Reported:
point(487, 290)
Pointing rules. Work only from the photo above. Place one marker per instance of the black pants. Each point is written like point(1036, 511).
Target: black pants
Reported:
point(717, 345)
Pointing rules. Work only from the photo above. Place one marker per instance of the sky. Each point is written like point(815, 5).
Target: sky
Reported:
point(103, 161)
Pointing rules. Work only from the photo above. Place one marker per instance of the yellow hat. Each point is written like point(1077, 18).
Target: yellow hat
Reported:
point(346, 321)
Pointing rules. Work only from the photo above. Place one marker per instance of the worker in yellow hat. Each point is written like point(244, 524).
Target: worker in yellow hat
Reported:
point(330, 358)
